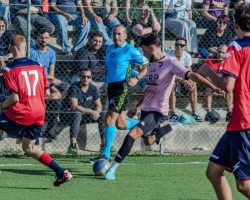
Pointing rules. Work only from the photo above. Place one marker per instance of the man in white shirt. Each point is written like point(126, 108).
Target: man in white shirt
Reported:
point(184, 58)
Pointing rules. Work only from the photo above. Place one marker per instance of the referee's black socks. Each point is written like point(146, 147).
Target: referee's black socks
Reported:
point(125, 148)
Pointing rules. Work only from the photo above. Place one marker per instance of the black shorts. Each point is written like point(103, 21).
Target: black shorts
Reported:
point(18, 130)
point(117, 96)
point(232, 152)
point(149, 121)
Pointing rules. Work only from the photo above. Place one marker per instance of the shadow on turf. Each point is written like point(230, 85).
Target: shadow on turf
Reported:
point(24, 188)
point(27, 172)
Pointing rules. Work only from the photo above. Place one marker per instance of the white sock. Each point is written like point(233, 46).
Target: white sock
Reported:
point(114, 165)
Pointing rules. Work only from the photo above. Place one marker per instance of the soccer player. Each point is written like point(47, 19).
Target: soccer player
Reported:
point(160, 79)
point(120, 57)
point(25, 108)
point(232, 151)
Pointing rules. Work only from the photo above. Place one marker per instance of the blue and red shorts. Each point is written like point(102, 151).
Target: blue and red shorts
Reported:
point(233, 152)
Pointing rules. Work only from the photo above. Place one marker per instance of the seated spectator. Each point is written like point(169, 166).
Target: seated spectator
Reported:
point(66, 14)
point(127, 5)
point(38, 20)
point(179, 22)
point(44, 54)
point(185, 58)
point(102, 16)
point(147, 23)
point(212, 9)
point(5, 37)
point(216, 62)
point(5, 10)
point(214, 37)
point(85, 101)
point(91, 56)
point(58, 90)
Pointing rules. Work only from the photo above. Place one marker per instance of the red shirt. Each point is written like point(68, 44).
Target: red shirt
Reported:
point(26, 78)
point(214, 63)
point(237, 65)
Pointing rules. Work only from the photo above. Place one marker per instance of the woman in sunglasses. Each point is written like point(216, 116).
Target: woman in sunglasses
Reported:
point(214, 37)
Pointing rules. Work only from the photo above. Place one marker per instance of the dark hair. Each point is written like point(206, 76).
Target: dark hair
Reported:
point(242, 17)
point(95, 34)
point(151, 39)
point(40, 32)
point(81, 69)
point(4, 20)
point(181, 38)
point(224, 18)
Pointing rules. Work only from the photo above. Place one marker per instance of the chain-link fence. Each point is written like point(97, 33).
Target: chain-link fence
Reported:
point(65, 40)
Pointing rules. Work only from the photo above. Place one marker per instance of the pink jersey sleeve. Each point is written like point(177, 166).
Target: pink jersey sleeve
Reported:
point(178, 69)
point(231, 66)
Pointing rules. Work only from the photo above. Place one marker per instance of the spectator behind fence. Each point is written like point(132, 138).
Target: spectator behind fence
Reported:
point(127, 5)
point(181, 85)
point(85, 101)
point(5, 10)
point(66, 14)
point(91, 56)
point(179, 22)
point(38, 20)
point(147, 23)
point(5, 38)
point(216, 62)
point(43, 54)
point(214, 37)
point(58, 91)
point(102, 16)
point(212, 9)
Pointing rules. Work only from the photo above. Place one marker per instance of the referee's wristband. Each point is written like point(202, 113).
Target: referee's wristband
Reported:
point(138, 77)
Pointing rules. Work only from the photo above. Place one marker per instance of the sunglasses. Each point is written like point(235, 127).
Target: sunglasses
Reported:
point(86, 77)
point(180, 45)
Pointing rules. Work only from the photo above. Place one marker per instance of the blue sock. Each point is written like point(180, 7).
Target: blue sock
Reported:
point(131, 123)
point(110, 132)
point(56, 168)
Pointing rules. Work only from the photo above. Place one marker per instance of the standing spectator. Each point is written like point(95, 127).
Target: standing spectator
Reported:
point(102, 16)
point(184, 58)
point(147, 23)
point(91, 56)
point(66, 14)
point(5, 38)
point(216, 62)
point(214, 37)
point(127, 5)
point(85, 101)
point(5, 10)
point(38, 20)
point(212, 9)
point(43, 54)
point(179, 22)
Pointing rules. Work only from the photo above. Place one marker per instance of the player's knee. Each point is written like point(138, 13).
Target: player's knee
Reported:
point(243, 186)
point(120, 125)
point(135, 133)
point(27, 150)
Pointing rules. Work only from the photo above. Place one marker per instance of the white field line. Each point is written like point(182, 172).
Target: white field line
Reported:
point(128, 164)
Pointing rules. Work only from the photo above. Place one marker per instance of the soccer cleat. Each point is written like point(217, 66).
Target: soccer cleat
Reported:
point(92, 160)
point(65, 177)
point(197, 117)
point(72, 149)
point(174, 117)
point(110, 175)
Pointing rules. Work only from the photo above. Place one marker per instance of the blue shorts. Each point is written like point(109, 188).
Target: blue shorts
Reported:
point(233, 152)
point(18, 130)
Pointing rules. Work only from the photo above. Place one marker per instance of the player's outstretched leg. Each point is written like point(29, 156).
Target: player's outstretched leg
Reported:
point(62, 175)
point(123, 152)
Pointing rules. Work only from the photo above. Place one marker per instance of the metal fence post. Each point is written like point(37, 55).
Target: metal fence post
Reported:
point(163, 26)
point(28, 27)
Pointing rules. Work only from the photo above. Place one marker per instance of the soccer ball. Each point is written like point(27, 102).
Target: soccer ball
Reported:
point(100, 167)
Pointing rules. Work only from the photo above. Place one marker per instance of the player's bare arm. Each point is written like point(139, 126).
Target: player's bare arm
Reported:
point(142, 72)
point(226, 83)
point(12, 99)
